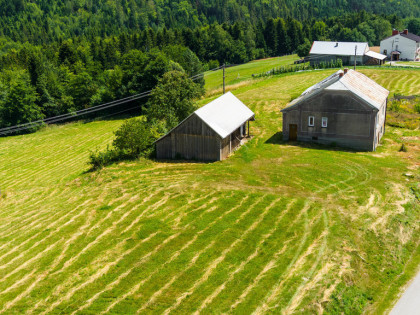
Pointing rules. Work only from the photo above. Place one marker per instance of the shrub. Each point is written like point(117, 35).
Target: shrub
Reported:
point(99, 159)
point(417, 107)
point(134, 138)
point(395, 106)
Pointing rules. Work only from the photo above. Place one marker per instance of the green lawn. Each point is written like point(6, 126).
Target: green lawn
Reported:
point(409, 63)
point(277, 227)
point(214, 79)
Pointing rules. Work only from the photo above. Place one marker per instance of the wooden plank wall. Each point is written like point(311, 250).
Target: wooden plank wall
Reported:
point(192, 140)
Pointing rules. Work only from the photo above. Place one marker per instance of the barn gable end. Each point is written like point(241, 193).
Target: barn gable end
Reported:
point(347, 108)
point(209, 134)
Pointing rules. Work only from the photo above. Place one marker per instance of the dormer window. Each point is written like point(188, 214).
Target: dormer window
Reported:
point(311, 121)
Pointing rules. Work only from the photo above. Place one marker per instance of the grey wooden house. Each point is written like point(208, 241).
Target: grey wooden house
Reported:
point(347, 109)
point(211, 133)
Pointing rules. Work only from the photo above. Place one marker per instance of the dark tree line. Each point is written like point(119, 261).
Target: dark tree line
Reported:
point(42, 21)
point(65, 75)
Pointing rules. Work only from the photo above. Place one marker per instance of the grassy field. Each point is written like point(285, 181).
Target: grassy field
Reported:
point(214, 79)
point(278, 227)
point(409, 63)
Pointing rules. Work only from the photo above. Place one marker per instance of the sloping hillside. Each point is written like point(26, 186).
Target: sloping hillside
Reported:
point(275, 227)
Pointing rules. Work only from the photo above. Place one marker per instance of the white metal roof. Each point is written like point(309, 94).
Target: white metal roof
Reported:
point(357, 83)
point(375, 55)
point(225, 114)
point(338, 48)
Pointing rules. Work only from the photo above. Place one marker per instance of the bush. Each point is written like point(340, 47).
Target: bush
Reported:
point(134, 138)
point(395, 106)
point(99, 159)
point(417, 107)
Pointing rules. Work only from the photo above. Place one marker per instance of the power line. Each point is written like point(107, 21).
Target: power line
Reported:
point(86, 111)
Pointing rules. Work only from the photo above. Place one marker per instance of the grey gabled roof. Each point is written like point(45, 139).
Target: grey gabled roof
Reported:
point(355, 82)
point(223, 115)
point(411, 36)
point(338, 48)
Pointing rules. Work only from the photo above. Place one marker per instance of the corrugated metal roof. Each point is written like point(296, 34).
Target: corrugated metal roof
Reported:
point(338, 48)
point(365, 88)
point(353, 81)
point(225, 114)
point(375, 55)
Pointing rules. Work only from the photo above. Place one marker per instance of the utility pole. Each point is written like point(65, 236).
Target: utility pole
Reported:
point(224, 82)
point(355, 52)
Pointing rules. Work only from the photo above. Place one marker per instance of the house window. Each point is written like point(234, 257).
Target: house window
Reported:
point(311, 121)
point(324, 122)
point(385, 51)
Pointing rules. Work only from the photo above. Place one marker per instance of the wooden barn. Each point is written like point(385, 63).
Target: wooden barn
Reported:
point(211, 133)
point(347, 109)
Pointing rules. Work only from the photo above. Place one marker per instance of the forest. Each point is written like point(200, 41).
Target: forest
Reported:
point(57, 57)
point(43, 21)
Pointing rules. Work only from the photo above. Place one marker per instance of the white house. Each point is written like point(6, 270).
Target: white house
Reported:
point(326, 51)
point(401, 46)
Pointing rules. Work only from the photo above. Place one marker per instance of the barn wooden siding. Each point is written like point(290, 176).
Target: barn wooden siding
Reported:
point(351, 122)
point(194, 140)
point(191, 140)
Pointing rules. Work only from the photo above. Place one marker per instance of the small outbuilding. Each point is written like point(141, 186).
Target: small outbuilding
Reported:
point(211, 133)
point(347, 109)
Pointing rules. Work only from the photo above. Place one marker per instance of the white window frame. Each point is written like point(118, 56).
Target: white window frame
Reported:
point(313, 121)
point(324, 122)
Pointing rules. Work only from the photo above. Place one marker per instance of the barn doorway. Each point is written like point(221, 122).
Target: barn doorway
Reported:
point(293, 132)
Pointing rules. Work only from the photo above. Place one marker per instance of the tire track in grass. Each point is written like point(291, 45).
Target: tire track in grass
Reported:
point(213, 265)
point(272, 263)
point(219, 289)
point(136, 287)
point(304, 287)
point(295, 264)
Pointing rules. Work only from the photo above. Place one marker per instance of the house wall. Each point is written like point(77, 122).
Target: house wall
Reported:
point(380, 123)
point(192, 140)
point(351, 122)
point(347, 60)
point(406, 46)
